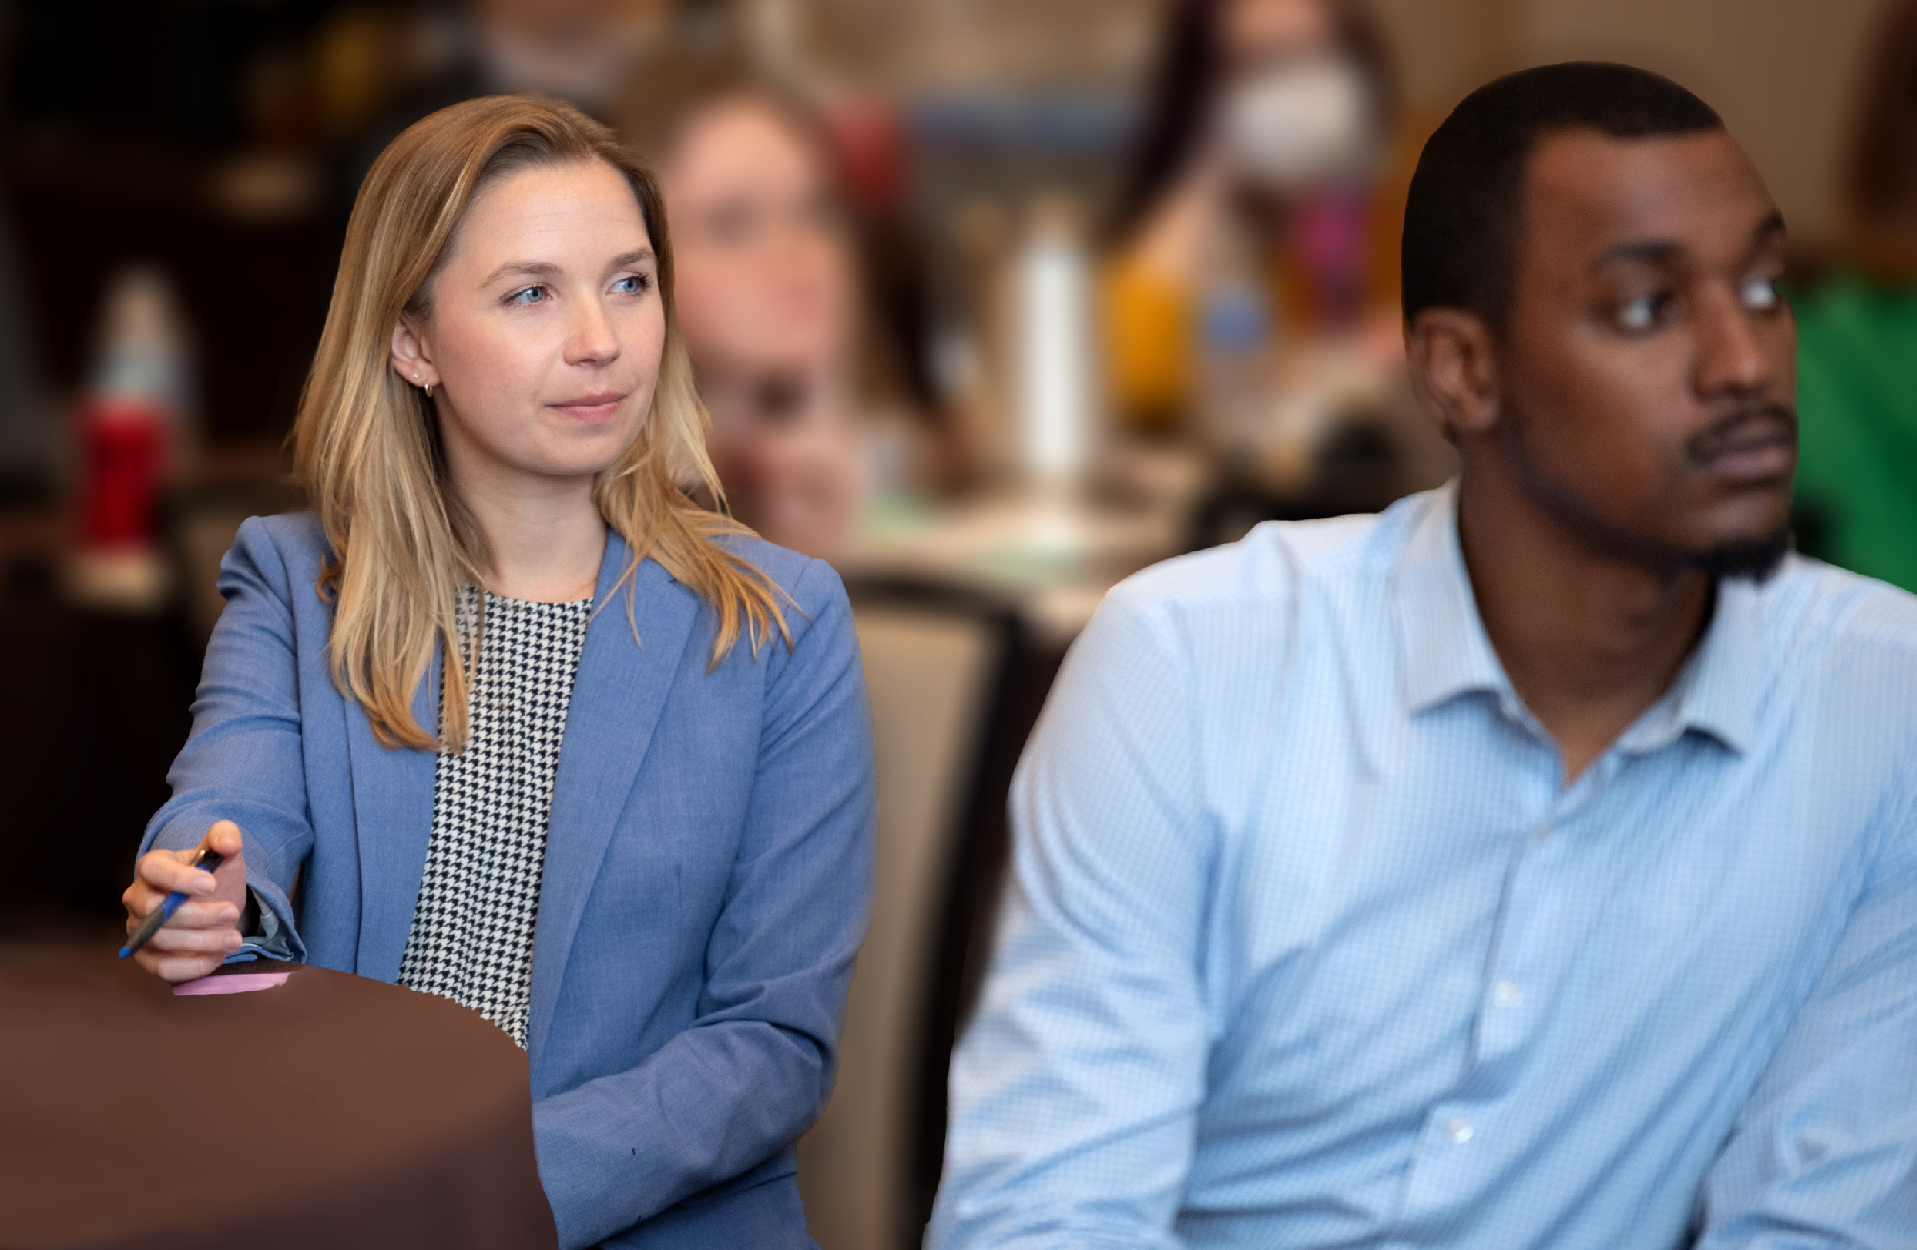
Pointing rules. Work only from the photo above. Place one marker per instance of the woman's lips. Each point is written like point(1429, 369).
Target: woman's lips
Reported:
point(590, 409)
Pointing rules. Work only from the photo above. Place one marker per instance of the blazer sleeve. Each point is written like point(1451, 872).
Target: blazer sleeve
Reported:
point(243, 760)
point(756, 1068)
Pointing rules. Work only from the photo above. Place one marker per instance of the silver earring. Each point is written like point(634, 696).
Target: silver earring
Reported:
point(429, 390)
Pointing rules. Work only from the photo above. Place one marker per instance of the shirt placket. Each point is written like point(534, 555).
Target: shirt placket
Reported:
point(1458, 1146)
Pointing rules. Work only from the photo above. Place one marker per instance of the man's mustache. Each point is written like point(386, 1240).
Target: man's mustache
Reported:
point(1747, 427)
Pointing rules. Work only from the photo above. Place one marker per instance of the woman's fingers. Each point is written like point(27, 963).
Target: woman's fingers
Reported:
point(194, 915)
point(175, 968)
point(167, 871)
point(224, 940)
point(204, 929)
point(230, 879)
point(224, 837)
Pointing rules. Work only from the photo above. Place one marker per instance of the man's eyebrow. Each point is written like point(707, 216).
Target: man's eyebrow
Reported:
point(1641, 252)
point(1768, 229)
point(1660, 251)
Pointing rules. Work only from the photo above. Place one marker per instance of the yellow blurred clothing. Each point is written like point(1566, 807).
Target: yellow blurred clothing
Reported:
point(1148, 343)
point(1150, 313)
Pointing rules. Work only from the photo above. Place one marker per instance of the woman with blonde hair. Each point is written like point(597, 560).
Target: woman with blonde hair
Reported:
point(530, 729)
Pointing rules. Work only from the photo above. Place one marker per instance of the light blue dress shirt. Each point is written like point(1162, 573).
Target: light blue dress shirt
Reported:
point(1308, 944)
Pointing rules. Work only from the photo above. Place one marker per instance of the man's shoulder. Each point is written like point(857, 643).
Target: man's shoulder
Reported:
point(1845, 640)
point(1832, 610)
point(1280, 564)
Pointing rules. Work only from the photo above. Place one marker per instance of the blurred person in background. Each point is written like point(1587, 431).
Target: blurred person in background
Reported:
point(1254, 242)
point(1857, 338)
point(580, 51)
point(768, 293)
point(1268, 127)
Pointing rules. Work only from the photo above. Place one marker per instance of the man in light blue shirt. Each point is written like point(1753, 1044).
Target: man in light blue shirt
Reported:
point(1534, 865)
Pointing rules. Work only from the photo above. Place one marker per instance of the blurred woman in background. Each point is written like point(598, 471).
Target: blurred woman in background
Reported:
point(1266, 139)
point(1254, 250)
point(767, 289)
point(1857, 339)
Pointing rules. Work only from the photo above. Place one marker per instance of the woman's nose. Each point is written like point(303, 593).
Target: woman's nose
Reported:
point(592, 340)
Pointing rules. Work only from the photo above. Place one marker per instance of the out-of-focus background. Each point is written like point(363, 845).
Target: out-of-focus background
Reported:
point(994, 302)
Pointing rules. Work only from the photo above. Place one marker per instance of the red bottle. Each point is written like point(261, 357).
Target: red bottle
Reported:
point(123, 446)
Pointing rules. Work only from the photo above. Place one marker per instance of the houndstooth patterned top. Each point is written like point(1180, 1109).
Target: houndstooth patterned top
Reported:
point(472, 934)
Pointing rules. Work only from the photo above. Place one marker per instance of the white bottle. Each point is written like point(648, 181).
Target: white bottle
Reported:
point(1054, 366)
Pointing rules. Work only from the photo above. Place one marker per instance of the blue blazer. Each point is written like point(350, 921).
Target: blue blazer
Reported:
point(709, 872)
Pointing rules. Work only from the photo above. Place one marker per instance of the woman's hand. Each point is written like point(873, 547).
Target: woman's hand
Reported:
point(205, 930)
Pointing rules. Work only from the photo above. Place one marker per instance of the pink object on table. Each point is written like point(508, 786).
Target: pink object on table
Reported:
point(233, 983)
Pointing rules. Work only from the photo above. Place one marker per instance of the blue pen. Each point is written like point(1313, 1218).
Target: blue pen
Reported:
point(207, 859)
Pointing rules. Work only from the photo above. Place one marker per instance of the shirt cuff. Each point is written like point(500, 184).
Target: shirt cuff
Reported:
point(265, 936)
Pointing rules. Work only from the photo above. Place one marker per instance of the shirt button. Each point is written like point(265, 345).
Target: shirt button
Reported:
point(1458, 1129)
point(1507, 994)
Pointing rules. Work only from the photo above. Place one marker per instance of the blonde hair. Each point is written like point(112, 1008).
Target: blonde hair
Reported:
point(366, 442)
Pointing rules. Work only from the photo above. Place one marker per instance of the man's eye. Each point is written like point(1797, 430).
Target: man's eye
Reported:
point(1645, 313)
point(528, 295)
point(1760, 294)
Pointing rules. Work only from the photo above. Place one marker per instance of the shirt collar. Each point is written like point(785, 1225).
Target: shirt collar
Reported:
point(1717, 690)
point(1442, 645)
point(1444, 651)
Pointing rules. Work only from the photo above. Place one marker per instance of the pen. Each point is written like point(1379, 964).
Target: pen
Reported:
point(207, 859)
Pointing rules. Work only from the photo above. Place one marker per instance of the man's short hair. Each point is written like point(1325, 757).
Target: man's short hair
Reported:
point(1464, 217)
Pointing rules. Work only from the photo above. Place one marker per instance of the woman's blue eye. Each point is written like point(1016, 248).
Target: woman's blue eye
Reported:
point(1760, 294)
point(531, 295)
point(633, 284)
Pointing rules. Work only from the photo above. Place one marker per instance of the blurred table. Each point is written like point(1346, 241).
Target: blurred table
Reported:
point(330, 1111)
point(1048, 553)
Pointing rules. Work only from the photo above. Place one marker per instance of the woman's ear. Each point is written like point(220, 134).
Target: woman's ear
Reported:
point(1454, 369)
point(411, 358)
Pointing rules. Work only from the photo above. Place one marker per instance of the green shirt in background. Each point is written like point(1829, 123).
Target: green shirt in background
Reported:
point(1857, 408)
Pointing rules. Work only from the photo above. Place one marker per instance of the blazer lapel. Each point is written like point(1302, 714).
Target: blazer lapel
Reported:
point(393, 813)
point(617, 696)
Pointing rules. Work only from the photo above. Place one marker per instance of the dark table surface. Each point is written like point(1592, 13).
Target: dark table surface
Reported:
point(330, 1111)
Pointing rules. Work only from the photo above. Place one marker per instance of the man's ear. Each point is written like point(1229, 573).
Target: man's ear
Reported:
point(410, 356)
point(1454, 369)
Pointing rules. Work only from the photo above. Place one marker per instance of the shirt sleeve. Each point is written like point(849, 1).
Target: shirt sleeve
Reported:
point(243, 760)
point(264, 936)
point(1075, 1089)
point(1824, 1153)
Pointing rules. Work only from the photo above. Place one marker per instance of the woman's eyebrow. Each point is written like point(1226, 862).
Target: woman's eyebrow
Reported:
point(546, 269)
point(527, 268)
